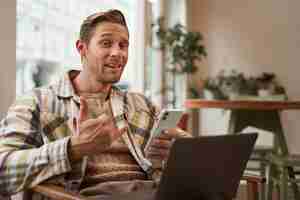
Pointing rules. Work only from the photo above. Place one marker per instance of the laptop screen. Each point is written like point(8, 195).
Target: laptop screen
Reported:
point(207, 167)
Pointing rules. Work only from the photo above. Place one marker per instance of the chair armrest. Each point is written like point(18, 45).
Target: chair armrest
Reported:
point(253, 182)
point(56, 192)
point(253, 178)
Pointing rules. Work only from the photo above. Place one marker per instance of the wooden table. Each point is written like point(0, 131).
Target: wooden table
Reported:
point(260, 114)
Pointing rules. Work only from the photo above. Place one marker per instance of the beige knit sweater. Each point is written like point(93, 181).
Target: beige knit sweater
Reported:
point(115, 170)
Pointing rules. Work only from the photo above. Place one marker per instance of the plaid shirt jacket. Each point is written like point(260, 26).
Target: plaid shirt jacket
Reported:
point(35, 133)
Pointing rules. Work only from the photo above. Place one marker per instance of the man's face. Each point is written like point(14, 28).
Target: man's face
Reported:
point(106, 53)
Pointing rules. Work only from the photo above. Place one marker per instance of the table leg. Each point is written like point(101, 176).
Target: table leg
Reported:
point(266, 120)
point(270, 182)
point(284, 152)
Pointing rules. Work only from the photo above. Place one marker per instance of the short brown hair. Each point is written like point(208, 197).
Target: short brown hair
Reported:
point(89, 24)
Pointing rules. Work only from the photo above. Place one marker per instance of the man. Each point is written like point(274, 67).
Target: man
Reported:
point(82, 132)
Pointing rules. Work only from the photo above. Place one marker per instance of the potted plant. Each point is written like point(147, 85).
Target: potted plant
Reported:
point(267, 85)
point(234, 84)
point(183, 49)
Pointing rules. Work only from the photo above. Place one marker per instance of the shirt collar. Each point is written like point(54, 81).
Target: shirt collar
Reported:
point(65, 88)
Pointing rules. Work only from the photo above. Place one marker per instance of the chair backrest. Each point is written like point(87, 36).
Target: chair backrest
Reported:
point(183, 122)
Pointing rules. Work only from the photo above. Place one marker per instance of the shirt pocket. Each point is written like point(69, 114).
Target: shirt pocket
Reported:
point(141, 119)
point(54, 127)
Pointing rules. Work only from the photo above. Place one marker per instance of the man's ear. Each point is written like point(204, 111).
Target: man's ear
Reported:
point(81, 47)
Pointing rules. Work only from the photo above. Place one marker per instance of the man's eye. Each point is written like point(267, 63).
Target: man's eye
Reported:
point(124, 45)
point(106, 43)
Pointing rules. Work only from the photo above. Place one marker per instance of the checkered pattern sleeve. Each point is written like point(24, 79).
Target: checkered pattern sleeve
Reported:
point(25, 160)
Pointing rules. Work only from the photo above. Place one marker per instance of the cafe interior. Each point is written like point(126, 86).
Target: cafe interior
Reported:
point(230, 65)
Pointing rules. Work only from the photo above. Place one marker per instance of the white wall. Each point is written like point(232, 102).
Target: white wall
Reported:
point(252, 36)
point(7, 54)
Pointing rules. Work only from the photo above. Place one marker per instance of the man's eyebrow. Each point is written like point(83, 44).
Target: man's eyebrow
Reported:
point(105, 34)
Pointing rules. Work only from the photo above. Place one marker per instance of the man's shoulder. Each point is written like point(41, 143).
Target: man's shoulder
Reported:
point(137, 97)
point(140, 102)
point(38, 92)
point(62, 87)
point(131, 97)
point(128, 94)
point(36, 96)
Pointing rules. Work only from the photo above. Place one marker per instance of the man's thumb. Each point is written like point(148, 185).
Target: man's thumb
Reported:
point(83, 112)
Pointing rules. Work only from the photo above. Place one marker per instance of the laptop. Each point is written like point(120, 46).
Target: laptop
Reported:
point(203, 168)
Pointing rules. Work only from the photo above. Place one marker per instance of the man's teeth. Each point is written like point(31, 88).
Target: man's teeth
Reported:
point(113, 66)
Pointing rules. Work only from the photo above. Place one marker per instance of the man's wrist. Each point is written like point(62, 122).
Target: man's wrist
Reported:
point(74, 150)
point(78, 149)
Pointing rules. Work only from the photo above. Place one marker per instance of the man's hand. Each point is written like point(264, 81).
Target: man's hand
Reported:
point(160, 147)
point(92, 136)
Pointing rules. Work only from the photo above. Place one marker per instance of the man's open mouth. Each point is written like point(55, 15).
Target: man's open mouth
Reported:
point(113, 66)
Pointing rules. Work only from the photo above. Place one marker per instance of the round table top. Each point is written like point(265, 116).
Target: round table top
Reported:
point(242, 104)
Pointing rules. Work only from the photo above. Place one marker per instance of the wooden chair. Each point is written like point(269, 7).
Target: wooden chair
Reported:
point(259, 158)
point(253, 184)
point(183, 122)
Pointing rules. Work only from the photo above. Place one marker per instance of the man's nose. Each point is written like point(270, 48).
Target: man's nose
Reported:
point(116, 51)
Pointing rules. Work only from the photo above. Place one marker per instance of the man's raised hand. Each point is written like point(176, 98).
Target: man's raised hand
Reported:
point(92, 136)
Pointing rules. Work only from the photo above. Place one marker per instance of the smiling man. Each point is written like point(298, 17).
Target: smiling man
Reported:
point(83, 132)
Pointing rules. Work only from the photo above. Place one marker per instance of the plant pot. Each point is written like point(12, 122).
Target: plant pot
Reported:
point(264, 92)
point(208, 94)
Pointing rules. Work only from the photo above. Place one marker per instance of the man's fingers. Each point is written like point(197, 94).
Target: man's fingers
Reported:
point(158, 153)
point(97, 131)
point(166, 134)
point(93, 123)
point(108, 129)
point(164, 144)
point(83, 111)
point(172, 133)
point(114, 132)
point(159, 148)
point(90, 123)
point(121, 131)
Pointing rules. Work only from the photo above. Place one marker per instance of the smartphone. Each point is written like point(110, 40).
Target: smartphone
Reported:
point(168, 118)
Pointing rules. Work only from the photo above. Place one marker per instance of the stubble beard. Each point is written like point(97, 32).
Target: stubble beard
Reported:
point(109, 79)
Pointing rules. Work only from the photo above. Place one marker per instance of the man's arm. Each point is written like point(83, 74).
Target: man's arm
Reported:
point(25, 160)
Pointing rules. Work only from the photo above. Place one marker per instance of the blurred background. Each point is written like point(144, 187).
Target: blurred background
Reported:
point(38, 43)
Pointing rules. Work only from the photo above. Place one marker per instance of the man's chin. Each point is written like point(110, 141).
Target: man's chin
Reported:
point(115, 81)
point(110, 81)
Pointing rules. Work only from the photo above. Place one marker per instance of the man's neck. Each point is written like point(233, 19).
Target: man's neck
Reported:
point(82, 84)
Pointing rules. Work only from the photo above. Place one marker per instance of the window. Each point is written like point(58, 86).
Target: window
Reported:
point(46, 36)
point(161, 86)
